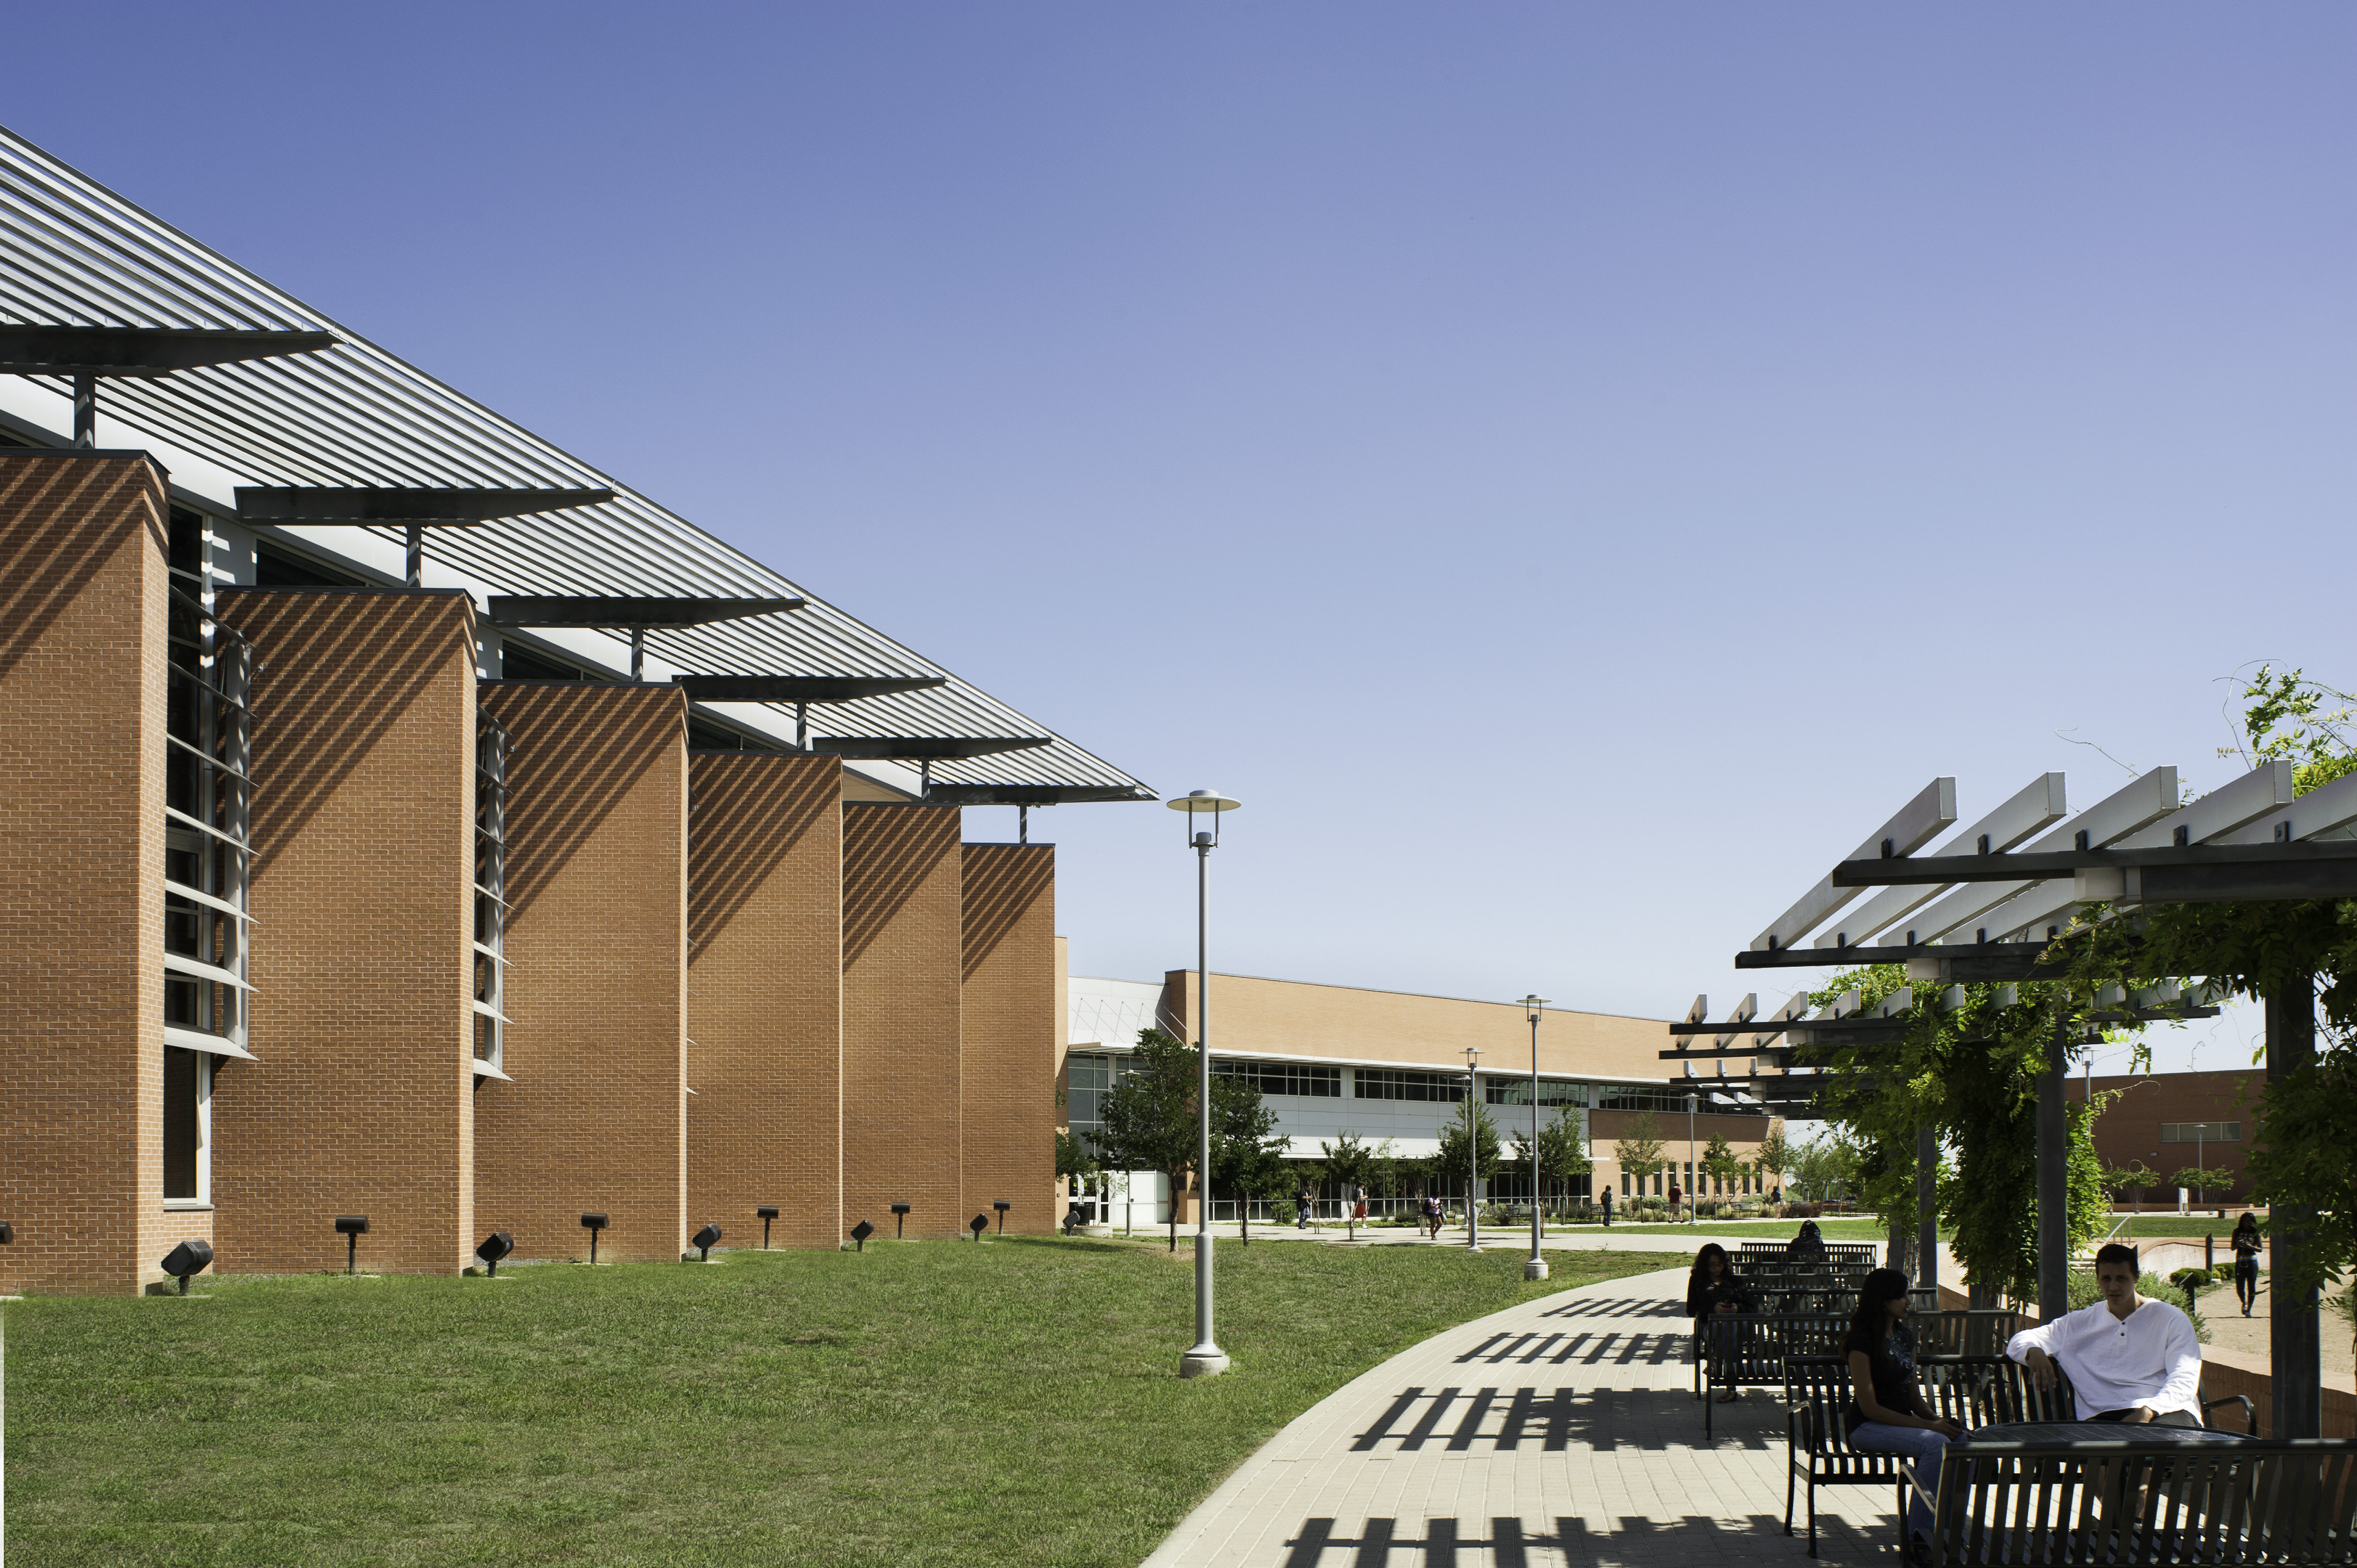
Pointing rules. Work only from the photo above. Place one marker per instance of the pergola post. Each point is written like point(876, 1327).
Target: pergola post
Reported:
point(2296, 1386)
point(2053, 1180)
point(1927, 1209)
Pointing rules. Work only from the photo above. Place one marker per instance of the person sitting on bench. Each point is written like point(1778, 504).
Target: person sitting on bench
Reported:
point(2131, 1358)
point(1888, 1413)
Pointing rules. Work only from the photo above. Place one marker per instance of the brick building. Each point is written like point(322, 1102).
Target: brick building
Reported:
point(2172, 1122)
point(415, 822)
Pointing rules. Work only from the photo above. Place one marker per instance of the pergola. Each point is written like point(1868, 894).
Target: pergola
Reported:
point(1998, 903)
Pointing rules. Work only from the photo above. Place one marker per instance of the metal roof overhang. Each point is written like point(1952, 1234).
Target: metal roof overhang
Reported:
point(1031, 794)
point(52, 349)
point(443, 505)
point(649, 610)
point(923, 748)
point(801, 689)
point(354, 414)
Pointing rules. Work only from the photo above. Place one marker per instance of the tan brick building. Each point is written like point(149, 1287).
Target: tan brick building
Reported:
point(543, 857)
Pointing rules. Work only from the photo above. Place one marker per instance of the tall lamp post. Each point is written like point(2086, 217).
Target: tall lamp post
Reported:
point(1690, 1158)
point(1535, 1269)
point(1206, 1359)
point(1472, 1148)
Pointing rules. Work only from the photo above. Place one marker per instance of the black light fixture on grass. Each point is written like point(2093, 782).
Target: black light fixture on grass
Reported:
point(352, 1227)
point(491, 1249)
point(900, 1217)
point(766, 1213)
point(1002, 1205)
point(860, 1233)
point(703, 1241)
point(190, 1257)
point(978, 1224)
point(593, 1223)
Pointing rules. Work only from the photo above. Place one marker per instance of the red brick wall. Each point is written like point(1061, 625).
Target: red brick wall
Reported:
point(363, 1099)
point(2128, 1130)
point(1008, 1032)
point(901, 965)
point(765, 995)
point(596, 1118)
point(82, 887)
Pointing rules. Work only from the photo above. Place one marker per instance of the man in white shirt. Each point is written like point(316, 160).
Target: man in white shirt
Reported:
point(2130, 1358)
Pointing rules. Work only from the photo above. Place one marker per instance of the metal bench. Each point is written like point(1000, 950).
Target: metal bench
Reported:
point(2053, 1495)
point(1971, 1390)
point(1750, 1349)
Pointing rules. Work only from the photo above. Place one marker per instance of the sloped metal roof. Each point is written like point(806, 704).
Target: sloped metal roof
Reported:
point(72, 251)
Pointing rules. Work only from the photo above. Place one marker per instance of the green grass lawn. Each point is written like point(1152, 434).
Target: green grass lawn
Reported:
point(1015, 1403)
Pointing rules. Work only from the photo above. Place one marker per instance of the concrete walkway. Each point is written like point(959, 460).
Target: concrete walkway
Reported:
point(1559, 1432)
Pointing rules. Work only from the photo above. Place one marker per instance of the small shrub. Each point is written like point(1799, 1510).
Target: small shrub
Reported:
point(1803, 1210)
point(1283, 1213)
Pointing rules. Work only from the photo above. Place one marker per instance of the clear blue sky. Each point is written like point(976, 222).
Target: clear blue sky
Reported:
point(1570, 470)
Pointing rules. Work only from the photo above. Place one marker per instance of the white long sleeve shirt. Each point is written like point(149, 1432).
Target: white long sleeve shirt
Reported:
point(2150, 1358)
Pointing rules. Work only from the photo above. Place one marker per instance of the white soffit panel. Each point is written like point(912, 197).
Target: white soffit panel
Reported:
point(2038, 804)
point(1917, 823)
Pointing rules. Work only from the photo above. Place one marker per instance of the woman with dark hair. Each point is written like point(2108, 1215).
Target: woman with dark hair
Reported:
point(1712, 1293)
point(1887, 1411)
point(2245, 1241)
point(1809, 1243)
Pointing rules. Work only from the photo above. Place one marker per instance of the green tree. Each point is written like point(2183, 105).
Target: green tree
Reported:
point(1150, 1122)
point(2201, 1179)
point(1073, 1162)
point(1562, 1155)
point(1471, 1120)
point(1719, 1162)
point(1820, 1167)
point(1640, 1149)
point(1248, 1153)
point(1351, 1165)
point(1773, 1159)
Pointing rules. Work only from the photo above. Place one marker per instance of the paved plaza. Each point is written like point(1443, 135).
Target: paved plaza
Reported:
point(1563, 1431)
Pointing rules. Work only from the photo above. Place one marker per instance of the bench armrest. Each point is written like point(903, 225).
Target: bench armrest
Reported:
point(2250, 1415)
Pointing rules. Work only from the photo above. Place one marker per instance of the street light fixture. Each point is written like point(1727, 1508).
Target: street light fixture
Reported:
point(351, 1227)
point(1535, 1268)
point(765, 1214)
point(594, 1223)
point(1691, 1183)
point(1206, 1359)
point(1472, 1148)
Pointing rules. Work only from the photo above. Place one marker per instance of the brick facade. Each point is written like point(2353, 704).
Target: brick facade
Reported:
point(765, 995)
point(596, 877)
point(902, 962)
point(1010, 1029)
point(2127, 1132)
point(82, 613)
point(363, 1099)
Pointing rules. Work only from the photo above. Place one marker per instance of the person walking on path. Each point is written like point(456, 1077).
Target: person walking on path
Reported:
point(2245, 1242)
point(1675, 1196)
point(1713, 1296)
point(1433, 1216)
point(1887, 1411)
point(1359, 1204)
point(2131, 1358)
point(1303, 1201)
point(1607, 1209)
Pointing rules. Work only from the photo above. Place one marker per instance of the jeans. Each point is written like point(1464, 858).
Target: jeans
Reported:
point(1921, 1449)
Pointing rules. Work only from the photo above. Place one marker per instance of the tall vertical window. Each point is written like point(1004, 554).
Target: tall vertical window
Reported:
point(491, 748)
point(208, 854)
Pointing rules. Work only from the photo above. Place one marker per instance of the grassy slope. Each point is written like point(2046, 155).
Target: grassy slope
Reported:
point(1008, 1403)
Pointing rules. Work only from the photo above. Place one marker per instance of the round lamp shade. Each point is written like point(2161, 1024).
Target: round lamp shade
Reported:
point(1202, 801)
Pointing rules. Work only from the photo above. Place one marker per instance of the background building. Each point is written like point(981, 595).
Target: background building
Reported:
point(1391, 1067)
point(2168, 1121)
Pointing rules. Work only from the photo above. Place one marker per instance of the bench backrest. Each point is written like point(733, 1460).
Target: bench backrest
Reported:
point(2289, 1502)
point(1964, 1331)
point(1818, 1385)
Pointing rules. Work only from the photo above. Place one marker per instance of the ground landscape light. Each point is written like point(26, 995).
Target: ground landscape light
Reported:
point(494, 1247)
point(900, 1217)
point(766, 1213)
point(703, 1241)
point(1002, 1205)
point(7, 1233)
point(978, 1224)
point(860, 1233)
point(190, 1257)
point(593, 1223)
point(352, 1227)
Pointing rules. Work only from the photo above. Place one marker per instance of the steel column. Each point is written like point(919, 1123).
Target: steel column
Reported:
point(2296, 1386)
point(2053, 1180)
point(1927, 1213)
point(1206, 1359)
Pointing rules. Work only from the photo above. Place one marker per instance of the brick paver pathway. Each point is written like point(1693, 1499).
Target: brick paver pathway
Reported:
point(1562, 1430)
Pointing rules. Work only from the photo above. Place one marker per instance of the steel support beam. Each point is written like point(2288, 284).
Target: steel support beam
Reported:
point(1927, 1211)
point(2053, 1180)
point(2297, 1385)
